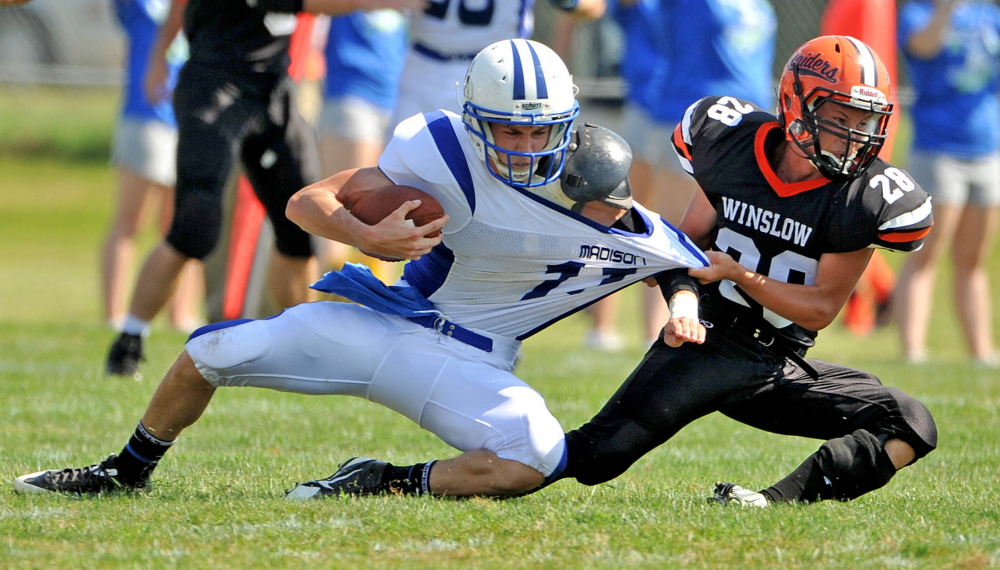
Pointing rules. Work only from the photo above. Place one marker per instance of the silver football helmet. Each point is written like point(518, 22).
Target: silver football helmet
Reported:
point(520, 82)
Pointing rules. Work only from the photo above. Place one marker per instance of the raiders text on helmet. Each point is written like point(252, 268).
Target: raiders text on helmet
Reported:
point(837, 70)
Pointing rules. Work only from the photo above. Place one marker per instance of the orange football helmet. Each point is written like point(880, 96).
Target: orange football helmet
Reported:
point(838, 70)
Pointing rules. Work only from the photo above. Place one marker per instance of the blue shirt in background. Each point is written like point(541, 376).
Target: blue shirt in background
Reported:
point(364, 56)
point(956, 110)
point(140, 20)
point(712, 47)
point(641, 61)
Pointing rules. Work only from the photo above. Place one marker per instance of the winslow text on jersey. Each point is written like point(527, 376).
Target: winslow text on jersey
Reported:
point(766, 221)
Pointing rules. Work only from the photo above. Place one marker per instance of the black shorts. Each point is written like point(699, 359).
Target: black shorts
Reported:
point(224, 114)
point(756, 385)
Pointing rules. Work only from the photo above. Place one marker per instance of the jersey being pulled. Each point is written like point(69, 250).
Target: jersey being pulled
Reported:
point(781, 230)
point(510, 262)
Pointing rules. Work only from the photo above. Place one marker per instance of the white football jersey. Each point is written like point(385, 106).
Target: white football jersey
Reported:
point(466, 26)
point(510, 262)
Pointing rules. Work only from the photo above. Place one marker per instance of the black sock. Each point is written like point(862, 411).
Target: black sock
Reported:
point(407, 479)
point(806, 484)
point(140, 455)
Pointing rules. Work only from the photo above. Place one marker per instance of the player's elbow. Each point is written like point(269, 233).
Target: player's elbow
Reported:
point(819, 316)
point(294, 208)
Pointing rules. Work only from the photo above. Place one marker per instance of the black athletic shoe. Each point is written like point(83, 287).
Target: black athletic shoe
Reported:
point(91, 480)
point(728, 493)
point(125, 355)
point(358, 476)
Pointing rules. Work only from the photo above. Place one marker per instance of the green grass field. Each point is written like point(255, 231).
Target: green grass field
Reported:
point(218, 495)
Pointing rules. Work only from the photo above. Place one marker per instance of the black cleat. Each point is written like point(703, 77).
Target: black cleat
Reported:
point(358, 476)
point(91, 480)
point(728, 493)
point(125, 355)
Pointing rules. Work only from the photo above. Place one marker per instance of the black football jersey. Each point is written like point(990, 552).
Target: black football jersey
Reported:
point(238, 33)
point(781, 230)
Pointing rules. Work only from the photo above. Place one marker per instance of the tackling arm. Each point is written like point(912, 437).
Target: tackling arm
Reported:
point(811, 306)
point(319, 209)
point(681, 293)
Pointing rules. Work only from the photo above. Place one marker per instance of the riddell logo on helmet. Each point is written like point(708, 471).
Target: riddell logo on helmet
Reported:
point(813, 64)
point(867, 94)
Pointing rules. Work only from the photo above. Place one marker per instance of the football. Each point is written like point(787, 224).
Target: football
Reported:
point(373, 206)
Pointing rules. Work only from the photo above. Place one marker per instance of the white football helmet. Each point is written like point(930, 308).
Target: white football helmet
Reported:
point(520, 82)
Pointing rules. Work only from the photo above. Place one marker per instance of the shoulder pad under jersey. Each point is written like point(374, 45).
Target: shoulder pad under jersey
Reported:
point(890, 210)
point(710, 122)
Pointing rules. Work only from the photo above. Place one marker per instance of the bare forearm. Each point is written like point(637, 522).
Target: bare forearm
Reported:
point(814, 305)
point(169, 29)
point(927, 42)
point(317, 210)
point(805, 305)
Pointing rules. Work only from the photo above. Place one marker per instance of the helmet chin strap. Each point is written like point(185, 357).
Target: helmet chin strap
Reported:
point(832, 166)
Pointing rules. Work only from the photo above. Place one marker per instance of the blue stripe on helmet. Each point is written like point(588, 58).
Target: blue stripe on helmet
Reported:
point(518, 73)
point(540, 87)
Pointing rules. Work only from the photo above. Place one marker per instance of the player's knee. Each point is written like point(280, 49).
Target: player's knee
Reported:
point(222, 346)
point(197, 224)
point(530, 436)
point(854, 465)
point(920, 428)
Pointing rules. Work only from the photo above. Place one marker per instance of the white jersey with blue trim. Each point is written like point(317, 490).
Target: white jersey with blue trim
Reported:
point(510, 262)
point(463, 27)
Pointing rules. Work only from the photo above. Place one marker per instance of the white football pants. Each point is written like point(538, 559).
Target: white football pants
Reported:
point(467, 397)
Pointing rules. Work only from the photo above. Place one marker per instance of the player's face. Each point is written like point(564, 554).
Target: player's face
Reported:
point(844, 117)
point(519, 138)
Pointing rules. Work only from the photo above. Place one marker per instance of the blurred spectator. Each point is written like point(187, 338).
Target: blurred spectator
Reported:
point(234, 101)
point(873, 22)
point(676, 52)
point(145, 157)
point(364, 57)
point(952, 49)
point(445, 37)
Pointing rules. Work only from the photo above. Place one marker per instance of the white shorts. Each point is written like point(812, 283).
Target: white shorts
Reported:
point(354, 119)
point(955, 181)
point(649, 140)
point(467, 397)
point(428, 85)
point(147, 149)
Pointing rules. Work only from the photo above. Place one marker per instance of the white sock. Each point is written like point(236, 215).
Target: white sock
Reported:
point(135, 325)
